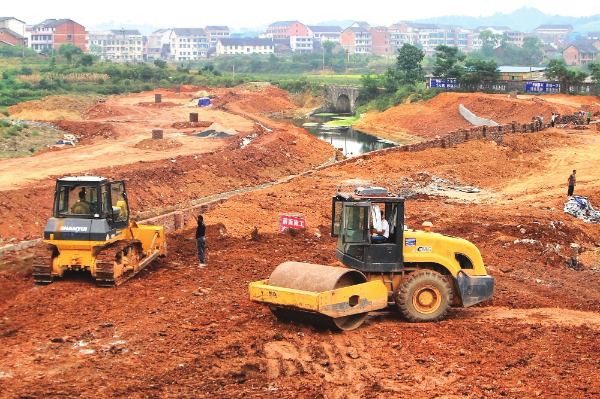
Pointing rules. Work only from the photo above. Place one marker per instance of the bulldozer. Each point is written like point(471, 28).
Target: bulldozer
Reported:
point(421, 273)
point(91, 230)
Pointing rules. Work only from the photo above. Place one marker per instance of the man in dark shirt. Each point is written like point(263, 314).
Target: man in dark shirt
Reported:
point(572, 181)
point(201, 240)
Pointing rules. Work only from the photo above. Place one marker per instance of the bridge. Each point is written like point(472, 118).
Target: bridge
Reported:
point(343, 98)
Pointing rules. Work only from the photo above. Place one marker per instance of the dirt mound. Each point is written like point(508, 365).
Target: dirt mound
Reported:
point(158, 145)
point(101, 110)
point(53, 108)
point(164, 104)
point(440, 115)
point(189, 125)
point(87, 131)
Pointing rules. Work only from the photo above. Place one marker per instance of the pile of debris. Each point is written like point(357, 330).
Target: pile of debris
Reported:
point(216, 131)
point(581, 208)
point(571, 119)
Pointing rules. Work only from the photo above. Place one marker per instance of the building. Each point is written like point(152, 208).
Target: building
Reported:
point(428, 36)
point(156, 44)
point(188, 44)
point(593, 35)
point(245, 46)
point(397, 37)
point(281, 30)
point(215, 33)
point(17, 28)
point(554, 34)
point(51, 33)
point(120, 45)
point(10, 38)
point(582, 52)
point(380, 39)
point(324, 33)
point(357, 40)
point(301, 44)
point(519, 72)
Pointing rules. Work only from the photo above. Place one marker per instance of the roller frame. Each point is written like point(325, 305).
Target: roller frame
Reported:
point(373, 295)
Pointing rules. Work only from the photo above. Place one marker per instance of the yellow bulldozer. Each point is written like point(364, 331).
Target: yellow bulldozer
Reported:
point(90, 230)
point(422, 273)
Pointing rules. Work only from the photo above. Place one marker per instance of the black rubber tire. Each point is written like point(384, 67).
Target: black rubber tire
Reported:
point(422, 278)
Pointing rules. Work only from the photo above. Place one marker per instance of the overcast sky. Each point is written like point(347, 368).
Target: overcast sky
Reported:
point(245, 13)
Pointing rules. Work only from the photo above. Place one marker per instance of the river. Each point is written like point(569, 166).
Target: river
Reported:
point(351, 142)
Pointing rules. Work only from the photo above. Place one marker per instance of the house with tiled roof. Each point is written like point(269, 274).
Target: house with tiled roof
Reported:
point(554, 34)
point(17, 29)
point(357, 40)
point(188, 44)
point(246, 46)
point(582, 52)
point(51, 33)
point(281, 30)
point(119, 45)
point(216, 32)
point(324, 33)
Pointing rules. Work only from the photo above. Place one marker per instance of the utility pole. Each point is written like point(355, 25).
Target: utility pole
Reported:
point(233, 72)
point(323, 70)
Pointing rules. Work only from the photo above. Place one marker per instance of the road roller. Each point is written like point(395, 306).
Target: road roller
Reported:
point(420, 273)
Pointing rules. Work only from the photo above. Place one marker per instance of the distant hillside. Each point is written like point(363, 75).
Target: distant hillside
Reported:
point(524, 19)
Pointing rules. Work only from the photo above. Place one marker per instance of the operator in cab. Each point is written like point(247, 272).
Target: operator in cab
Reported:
point(383, 233)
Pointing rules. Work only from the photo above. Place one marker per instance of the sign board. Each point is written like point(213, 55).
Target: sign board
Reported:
point(542, 87)
point(291, 221)
point(443, 84)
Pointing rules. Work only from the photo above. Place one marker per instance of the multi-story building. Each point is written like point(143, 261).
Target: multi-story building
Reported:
point(357, 40)
point(554, 34)
point(51, 33)
point(324, 33)
point(593, 35)
point(245, 46)
point(188, 44)
point(157, 43)
point(428, 36)
point(301, 44)
point(120, 45)
point(582, 52)
point(11, 38)
point(17, 29)
point(380, 38)
point(398, 37)
point(281, 30)
point(215, 33)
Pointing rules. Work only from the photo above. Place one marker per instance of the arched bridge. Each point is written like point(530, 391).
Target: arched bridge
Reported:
point(343, 98)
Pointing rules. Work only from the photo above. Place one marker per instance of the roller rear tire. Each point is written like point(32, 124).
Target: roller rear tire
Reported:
point(426, 296)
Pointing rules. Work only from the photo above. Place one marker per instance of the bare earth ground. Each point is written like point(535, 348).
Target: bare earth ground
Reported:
point(179, 330)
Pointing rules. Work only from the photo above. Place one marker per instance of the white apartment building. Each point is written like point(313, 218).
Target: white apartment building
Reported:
point(245, 46)
point(188, 44)
point(120, 45)
point(158, 44)
point(324, 33)
point(215, 33)
point(301, 44)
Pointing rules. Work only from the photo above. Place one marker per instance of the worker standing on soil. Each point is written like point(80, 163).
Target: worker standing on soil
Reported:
point(572, 181)
point(201, 240)
point(553, 118)
point(589, 116)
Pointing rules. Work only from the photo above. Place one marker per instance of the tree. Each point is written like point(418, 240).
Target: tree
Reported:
point(479, 71)
point(87, 60)
point(595, 73)
point(328, 45)
point(532, 50)
point(369, 89)
point(445, 64)
point(408, 64)
point(557, 71)
point(162, 64)
point(489, 42)
point(68, 56)
point(69, 47)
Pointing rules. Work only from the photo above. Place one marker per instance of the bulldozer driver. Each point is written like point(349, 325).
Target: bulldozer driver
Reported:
point(81, 207)
point(381, 228)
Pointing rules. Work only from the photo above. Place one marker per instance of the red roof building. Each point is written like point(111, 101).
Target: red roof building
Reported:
point(51, 33)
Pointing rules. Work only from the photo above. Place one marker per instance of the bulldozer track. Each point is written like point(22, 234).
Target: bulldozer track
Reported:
point(105, 262)
point(42, 267)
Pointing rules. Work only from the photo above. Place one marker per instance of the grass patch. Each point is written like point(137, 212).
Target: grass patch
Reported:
point(310, 124)
point(325, 114)
point(342, 121)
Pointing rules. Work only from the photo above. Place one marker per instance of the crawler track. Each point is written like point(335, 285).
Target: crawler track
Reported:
point(42, 266)
point(118, 262)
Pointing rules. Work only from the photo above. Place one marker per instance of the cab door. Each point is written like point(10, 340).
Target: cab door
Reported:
point(119, 205)
point(354, 232)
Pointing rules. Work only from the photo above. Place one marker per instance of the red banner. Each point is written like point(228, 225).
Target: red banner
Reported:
point(291, 222)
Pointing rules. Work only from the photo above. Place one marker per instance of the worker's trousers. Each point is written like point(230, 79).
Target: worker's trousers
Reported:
point(200, 247)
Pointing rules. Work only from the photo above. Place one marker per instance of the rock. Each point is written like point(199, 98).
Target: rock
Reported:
point(523, 231)
point(353, 353)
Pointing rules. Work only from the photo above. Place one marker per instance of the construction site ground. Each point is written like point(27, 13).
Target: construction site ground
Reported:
point(180, 330)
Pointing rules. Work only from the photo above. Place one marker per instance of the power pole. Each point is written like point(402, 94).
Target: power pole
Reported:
point(323, 70)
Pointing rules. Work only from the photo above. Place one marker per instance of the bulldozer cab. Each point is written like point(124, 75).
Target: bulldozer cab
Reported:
point(92, 198)
point(353, 218)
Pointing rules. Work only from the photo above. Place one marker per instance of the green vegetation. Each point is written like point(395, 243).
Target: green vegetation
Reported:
point(342, 121)
point(19, 139)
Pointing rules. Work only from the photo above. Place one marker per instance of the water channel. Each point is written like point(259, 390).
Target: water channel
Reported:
point(351, 142)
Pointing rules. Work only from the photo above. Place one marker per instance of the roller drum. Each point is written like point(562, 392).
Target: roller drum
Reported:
point(316, 278)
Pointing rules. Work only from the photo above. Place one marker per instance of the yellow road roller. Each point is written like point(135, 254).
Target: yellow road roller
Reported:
point(90, 230)
point(421, 273)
